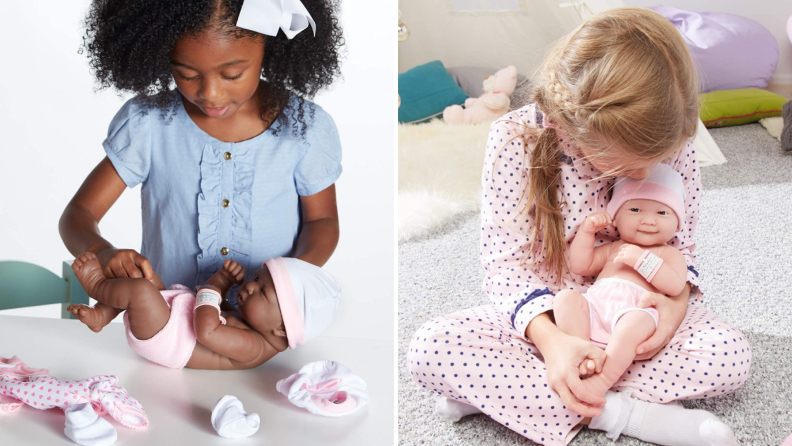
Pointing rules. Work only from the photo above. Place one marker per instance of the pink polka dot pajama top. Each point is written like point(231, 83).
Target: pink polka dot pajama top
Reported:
point(481, 356)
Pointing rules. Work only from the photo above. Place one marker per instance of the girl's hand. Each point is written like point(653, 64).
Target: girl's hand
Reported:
point(565, 361)
point(119, 263)
point(596, 222)
point(672, 311)
point(629, 255)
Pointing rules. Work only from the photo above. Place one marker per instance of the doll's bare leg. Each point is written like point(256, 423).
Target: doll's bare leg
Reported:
point(146, 309)
point(98, 316)
point(571, 313)
point(632, 329)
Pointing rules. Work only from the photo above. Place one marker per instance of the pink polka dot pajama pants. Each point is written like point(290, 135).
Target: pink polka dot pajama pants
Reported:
point(477, 357)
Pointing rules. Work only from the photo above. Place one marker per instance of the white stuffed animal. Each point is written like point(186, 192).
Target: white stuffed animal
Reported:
point(490, 106)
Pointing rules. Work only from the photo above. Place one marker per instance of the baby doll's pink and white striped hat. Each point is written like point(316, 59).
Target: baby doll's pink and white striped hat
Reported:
point(308, 297)
point(664, 185)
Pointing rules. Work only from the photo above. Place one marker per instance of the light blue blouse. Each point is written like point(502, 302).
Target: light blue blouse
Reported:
point(187, 177)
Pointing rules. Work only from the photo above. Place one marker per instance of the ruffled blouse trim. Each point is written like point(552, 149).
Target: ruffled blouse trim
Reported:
point(211, 223)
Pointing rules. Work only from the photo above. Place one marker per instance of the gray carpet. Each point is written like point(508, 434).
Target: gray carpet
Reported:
point(744, 252)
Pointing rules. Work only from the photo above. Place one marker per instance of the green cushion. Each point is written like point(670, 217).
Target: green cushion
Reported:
point(425, 91)
point(735, 107)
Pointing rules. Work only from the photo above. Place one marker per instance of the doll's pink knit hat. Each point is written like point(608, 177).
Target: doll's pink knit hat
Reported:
point(664, 185)
point(307, 295)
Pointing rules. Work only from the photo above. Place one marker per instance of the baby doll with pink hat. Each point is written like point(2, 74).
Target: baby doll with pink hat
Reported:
point(647, 214)
point(286, 303)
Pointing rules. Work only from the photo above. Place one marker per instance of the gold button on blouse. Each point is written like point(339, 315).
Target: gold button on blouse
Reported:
point(227, 156)
point(226, 203)
point(224, 251)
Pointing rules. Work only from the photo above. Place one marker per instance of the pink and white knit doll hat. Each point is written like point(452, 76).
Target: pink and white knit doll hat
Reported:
point(664, 185)
point(308, 297)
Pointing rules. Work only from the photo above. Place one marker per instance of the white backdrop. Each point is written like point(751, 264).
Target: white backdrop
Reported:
point(53, 123)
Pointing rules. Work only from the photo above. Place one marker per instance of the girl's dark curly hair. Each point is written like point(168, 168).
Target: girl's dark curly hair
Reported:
point(129, 45)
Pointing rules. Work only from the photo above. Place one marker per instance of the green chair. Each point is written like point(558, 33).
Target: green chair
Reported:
point(24, 284)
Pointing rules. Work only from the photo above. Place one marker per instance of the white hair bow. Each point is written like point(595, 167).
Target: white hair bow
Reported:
point(266, 16)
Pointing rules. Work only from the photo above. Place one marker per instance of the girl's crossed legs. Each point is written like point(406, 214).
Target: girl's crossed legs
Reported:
point(476, 357)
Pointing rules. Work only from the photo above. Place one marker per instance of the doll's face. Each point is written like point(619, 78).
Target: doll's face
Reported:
point(258, 305)
point(217, 73)
point(645, 222)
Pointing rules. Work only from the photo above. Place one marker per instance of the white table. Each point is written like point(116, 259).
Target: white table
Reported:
point(179, 402)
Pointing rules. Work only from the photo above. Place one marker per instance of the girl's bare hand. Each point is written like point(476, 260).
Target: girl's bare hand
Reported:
point(120, 263)
point(671, 315)
point(565, 361)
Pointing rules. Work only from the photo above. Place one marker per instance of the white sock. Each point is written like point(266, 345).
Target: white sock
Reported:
point(663, 424)
point(230, 419)
point(86, 428)
point(453, 410)
point(615, 414)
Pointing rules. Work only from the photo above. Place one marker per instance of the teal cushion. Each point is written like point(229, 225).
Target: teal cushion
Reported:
point(425, 91)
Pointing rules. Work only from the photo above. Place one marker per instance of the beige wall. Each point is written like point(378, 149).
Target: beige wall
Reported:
point(498, 40)
point(489, 39)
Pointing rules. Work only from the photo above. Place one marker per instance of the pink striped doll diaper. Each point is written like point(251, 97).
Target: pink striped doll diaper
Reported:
point(609, 299)
point(173, 345)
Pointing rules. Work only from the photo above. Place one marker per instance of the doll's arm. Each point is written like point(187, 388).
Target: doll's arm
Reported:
point(584, 258)
point(239, 345)
point(670, 279)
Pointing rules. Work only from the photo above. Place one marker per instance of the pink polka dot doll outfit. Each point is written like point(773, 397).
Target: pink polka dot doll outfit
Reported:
point(481, 356)
point(608, 300)
point(40, 390)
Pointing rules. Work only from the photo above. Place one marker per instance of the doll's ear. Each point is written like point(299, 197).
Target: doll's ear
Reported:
point(279, 332)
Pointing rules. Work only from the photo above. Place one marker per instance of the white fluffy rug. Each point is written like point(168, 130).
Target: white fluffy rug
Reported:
point(774, 126)
point(440, 172)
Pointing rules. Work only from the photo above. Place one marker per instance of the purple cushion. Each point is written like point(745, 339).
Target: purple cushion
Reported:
point(730, 51)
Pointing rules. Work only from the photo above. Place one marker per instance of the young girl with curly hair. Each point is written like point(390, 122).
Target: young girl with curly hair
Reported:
point(235, 162)
point(615, 97)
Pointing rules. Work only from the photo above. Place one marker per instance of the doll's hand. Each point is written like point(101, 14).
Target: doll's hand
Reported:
point(120, 263)
point(628, 254)
point(596, 222)
point(233, 272)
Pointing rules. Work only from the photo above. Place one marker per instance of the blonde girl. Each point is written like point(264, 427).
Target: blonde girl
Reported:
point(615, 97)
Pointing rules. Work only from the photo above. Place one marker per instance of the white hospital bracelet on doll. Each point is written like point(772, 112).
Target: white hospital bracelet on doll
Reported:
point(648, 265)
point(208, 296)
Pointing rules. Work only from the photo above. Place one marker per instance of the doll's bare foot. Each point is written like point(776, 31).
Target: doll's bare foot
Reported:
point(88, 271)
point(96, 317)
point(230, 274)
point(598, 384)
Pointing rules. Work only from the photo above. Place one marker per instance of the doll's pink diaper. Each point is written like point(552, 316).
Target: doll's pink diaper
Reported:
point(608, 300)
point(174, 344)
